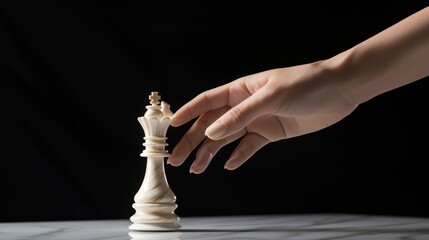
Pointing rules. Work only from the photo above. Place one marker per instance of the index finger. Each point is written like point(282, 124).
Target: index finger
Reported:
point(203, 102)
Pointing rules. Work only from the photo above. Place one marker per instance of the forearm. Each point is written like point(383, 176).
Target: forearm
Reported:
point(395, 57)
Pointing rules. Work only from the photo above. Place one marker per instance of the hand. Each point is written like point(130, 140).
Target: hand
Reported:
point(260, 108)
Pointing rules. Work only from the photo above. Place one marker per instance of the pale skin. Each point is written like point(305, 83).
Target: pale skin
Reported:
point(288, 102)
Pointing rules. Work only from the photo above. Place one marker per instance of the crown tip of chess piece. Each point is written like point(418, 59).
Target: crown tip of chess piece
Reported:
point(165, 109)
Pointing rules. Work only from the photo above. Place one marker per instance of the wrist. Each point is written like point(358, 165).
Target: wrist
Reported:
point(345, 76)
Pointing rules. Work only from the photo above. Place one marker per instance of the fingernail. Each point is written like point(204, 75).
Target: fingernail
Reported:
point(192, 168)
point(170, 163)
point(172, 120)
point(229, 165)
point(216, 130)
point(229, 168)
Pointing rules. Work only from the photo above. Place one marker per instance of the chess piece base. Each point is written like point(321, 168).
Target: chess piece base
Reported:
point(155, 227)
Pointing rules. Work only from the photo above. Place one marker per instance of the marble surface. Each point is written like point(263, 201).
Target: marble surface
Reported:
point(307, 226)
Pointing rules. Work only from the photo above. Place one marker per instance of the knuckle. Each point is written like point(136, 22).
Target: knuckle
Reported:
point(234, 115)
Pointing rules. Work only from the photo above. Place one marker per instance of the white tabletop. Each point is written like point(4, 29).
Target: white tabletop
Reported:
point(307, 226)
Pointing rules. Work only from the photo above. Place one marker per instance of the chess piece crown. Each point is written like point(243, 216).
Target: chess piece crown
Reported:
point(155, 123)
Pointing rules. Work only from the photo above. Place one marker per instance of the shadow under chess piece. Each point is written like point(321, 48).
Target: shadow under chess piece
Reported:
point(155, 202)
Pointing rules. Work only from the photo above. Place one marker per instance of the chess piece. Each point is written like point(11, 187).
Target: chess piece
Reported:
point(155, 201)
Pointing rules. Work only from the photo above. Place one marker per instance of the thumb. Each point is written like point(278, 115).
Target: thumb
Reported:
point(238, 117)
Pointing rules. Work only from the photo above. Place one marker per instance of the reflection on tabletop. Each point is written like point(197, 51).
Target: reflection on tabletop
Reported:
point(256, 227)
point(135, 235)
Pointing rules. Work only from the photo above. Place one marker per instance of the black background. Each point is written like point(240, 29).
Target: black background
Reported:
point(74, 79)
